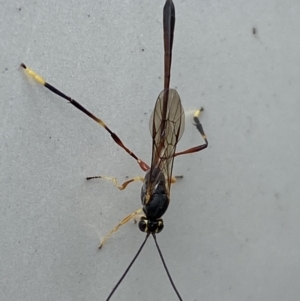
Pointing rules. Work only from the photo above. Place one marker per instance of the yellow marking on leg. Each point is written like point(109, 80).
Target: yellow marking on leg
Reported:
point(121, 223)
point(197, 113)
point(100, 122)
point(175, 178)
point(34, 75)
point(115, 181)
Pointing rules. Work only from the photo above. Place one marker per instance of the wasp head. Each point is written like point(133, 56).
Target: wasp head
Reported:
point(151, 226)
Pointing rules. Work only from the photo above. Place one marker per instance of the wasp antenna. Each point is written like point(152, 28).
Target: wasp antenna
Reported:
point(128, 268)
point(165, 266)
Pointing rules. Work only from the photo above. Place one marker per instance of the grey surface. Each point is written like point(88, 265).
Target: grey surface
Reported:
point(232, 229)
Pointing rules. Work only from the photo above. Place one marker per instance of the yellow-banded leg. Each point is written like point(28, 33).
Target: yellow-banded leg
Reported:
point(126, 183)
point(121, 223)
point(117, 140)
point(199, 127)
point(115, 181)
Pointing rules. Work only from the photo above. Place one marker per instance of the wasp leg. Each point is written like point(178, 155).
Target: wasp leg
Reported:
point(121, 223)
point(175, 178)
point(201, 131)
point(115, 181)
point(77, 105)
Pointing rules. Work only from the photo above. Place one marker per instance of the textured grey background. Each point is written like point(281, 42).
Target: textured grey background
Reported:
point(232, 229)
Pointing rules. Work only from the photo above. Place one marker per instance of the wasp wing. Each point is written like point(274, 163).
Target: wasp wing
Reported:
point(166, 126)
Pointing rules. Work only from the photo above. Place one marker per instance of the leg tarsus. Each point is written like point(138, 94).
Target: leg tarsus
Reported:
point(175, 178)
point(121, 223)
point(115, 181)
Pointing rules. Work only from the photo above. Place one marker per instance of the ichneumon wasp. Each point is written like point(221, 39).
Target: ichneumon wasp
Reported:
point(166, 127)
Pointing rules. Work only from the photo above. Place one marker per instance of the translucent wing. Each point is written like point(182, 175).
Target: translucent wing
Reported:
point(166, 127)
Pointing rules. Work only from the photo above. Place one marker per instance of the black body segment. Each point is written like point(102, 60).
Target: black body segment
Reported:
point(158, 201)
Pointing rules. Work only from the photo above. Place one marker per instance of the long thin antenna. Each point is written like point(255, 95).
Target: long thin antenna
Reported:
point(163, 261)
point(128, 268)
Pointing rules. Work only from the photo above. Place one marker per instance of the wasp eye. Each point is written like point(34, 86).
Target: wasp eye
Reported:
point(160, 226)
point(143, 225)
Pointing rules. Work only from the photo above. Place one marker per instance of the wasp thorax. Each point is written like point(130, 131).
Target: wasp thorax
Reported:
point(148, 226)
